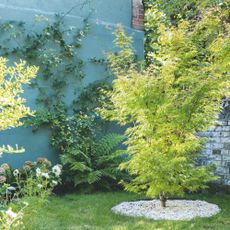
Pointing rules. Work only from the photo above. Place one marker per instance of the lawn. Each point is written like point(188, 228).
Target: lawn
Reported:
point(86, 212)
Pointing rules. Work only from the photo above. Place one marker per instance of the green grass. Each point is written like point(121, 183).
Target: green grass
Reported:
point(92, 212)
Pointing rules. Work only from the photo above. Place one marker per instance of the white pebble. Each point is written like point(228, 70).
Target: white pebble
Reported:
point(175, 209)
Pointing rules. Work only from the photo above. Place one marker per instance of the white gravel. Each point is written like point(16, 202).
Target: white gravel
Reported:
point(175, 210)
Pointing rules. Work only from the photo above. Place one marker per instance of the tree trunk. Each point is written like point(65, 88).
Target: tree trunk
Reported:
point(163, 199)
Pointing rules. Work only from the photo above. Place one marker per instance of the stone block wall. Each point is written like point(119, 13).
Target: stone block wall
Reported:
point(217, 149)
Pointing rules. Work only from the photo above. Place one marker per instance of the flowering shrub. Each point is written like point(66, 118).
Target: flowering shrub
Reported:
point(33, 179)
point(6, 179)
point(39, 179)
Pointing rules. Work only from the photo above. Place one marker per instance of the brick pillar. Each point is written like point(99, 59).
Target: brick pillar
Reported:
point(138, 15)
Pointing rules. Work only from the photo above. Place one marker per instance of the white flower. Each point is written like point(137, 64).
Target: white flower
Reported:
point(56, 170)
point(54, 182)
point(38, 172)
point(46, 175)
point(11, 214)
point(16, 172)
point(11, 188)
point(40, 185)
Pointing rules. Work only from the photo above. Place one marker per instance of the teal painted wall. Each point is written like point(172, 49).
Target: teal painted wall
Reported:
point(105, 15)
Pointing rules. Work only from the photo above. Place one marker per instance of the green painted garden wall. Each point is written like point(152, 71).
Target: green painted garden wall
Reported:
point(104, 16)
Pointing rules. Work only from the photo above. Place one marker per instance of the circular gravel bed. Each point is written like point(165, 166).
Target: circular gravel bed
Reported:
point(175, 210)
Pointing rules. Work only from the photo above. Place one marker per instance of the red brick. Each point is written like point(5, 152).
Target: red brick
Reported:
point(138, 15)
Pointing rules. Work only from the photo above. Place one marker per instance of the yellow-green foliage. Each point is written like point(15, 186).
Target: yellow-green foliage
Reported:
point(12, 108)
point(178, 95)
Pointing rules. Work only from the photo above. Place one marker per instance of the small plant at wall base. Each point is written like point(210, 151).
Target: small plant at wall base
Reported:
point(93, 164)
point(168, 102)
point(76, 139)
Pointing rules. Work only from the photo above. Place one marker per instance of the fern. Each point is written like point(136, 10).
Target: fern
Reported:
point(108, 143)
point(94, 164)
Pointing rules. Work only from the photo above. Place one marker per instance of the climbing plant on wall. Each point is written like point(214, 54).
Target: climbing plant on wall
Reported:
point(72, 120)
point(56, 49)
